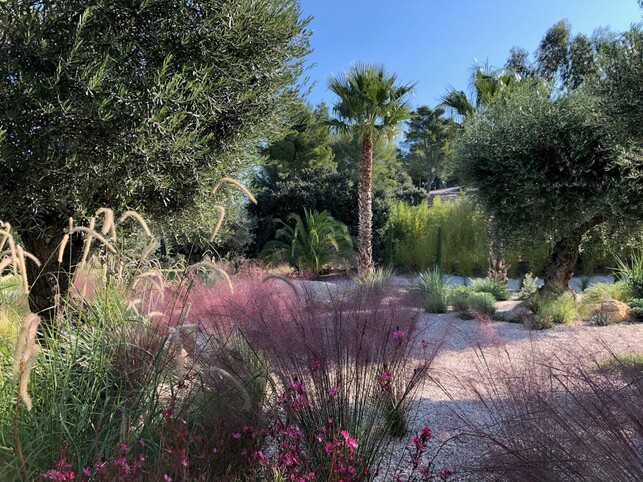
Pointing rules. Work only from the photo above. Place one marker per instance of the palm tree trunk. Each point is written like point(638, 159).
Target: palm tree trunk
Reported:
point(365, 207)
point(497, 266)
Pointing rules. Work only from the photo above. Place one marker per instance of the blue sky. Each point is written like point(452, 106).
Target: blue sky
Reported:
point(435, 42)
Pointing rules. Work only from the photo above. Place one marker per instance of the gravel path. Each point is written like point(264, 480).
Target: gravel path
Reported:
point(468, 346)
point(456, 369)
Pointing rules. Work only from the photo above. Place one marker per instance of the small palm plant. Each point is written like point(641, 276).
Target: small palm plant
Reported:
point(316, 243)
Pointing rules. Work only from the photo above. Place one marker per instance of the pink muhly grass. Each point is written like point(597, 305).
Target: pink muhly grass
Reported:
point(556, 420)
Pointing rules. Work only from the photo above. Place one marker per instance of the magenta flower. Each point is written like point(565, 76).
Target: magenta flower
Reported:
point(236, 435)
point(167, 478)
point(385, 381)
point(333, 391)
point(425, 434)
point(445, 473)
point(298, 386)
point(398, 334)
point(424, 344)
point(350, 442)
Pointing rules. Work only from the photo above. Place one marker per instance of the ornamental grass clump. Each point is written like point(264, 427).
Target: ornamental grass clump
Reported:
point(432, 288)
point(349, 363)
point(555, 420)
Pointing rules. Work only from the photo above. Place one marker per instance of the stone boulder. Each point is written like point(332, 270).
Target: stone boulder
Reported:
point(616, 310)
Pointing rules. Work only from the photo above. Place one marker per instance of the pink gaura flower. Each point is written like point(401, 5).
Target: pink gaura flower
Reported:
point(298, 386)
point(350, 442)
point(384, 380)
point(236, 435)
point(398, 334)
point(333, 391)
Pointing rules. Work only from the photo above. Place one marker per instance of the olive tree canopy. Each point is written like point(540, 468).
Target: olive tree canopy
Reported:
point(137, 104)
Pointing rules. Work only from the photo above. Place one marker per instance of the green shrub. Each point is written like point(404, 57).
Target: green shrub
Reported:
point(377, 279)
point(497, 288)
point(601, 319)
point(433, 288)
point(528, 287)
point(467, 302)
point(482, 303)
point(596, 294)
point(637, 308)
point(631, 273)
point(315, 244)
point(561, 309)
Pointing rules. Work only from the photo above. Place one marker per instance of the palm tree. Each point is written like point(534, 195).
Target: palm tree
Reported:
point(370, 105)
point(488, 85)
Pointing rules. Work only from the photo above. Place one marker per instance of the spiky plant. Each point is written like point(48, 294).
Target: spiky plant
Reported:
point(313, 245)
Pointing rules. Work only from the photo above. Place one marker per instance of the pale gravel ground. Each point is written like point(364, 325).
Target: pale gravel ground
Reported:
point(448, 395)
point(455, 369)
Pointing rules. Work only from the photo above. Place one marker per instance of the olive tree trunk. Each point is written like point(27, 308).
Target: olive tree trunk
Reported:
point(559, 268)
point(365, 207)
point(50, 282)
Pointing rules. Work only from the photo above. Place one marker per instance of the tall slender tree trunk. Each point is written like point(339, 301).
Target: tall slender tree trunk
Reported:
point(431, 175)
point(365, 207)
point(497, 266)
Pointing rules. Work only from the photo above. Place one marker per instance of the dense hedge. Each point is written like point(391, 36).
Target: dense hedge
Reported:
point(320, 189)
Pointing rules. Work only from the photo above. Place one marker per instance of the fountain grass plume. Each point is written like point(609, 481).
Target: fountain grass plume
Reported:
point(217, 226)
point(15, 256)
point(108, 221)
point(209, 266)
point(24, 356)
point(88, 242)
point(229, 180)
point(221, 209)
point(136, 216)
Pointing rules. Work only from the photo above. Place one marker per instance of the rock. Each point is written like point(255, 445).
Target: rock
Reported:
point(616, 310)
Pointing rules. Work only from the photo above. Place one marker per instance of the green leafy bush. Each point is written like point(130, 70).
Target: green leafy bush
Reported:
point(528, 287)
point(596, 294)
point(468, 302)
point(561, 309)
point(315, 244)
point(632, 273)
point(497, 288)
point(637, 308)
point(377, 279)
point(433, 289)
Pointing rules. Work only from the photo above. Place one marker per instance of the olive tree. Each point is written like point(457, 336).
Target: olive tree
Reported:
point(549, 169)
point(136, 104)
